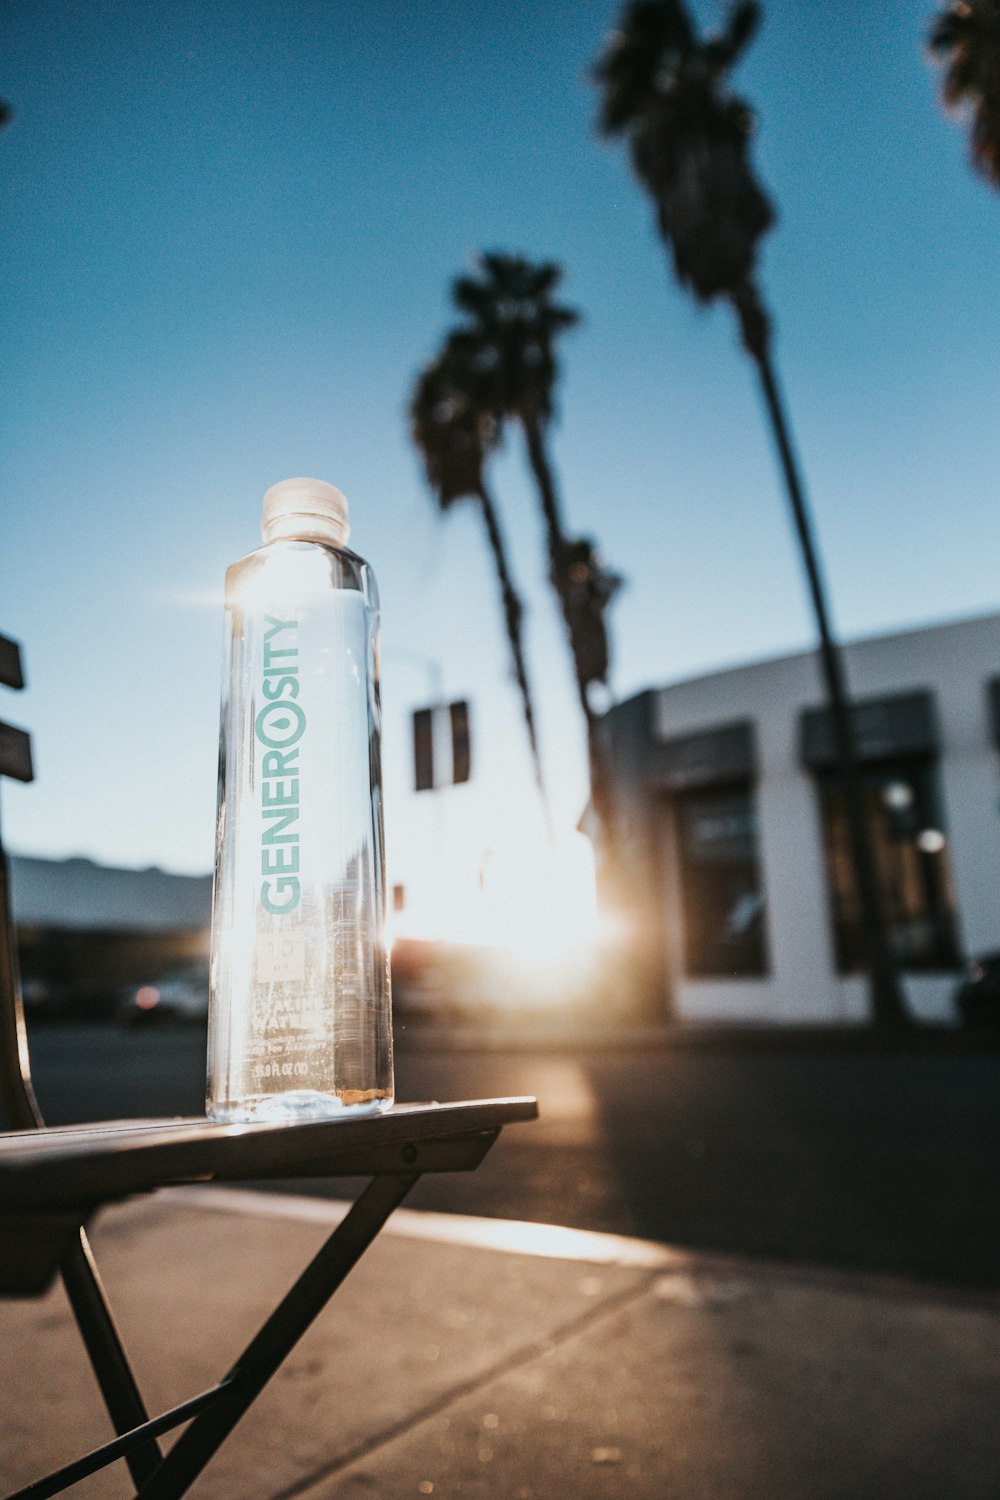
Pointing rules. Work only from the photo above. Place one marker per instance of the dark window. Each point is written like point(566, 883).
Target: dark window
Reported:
point(722, 890)
point(904, 815)
point(423, 750)
point(461, 743)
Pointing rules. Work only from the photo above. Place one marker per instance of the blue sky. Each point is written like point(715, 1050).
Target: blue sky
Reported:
point(229, 231)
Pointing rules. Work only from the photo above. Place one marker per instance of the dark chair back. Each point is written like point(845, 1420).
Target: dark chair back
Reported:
point(18, 1108)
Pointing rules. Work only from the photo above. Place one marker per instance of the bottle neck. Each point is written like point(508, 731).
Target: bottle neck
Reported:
point(329, 530)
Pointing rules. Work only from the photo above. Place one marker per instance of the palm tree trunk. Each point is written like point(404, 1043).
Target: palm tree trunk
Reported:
point(601, 790)
point(542, 471)
point(513, 612)
point(887, 1002)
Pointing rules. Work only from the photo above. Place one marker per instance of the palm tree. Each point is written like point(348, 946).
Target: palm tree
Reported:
point(511, 323)
point(455, 435)
point(665, 90)
point(965, 37)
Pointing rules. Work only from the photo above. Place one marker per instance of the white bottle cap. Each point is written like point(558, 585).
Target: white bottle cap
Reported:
point(308, 509)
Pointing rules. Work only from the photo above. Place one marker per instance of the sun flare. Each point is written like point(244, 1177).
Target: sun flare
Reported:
point(533, 908)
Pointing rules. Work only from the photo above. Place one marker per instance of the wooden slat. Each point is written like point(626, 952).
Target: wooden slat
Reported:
point(91, 1164)
point(15, 753)
point(11, 673)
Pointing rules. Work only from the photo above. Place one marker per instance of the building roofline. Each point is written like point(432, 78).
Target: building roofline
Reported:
point(849, 643)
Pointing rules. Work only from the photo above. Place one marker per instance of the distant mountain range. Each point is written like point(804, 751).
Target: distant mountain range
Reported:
point(83, 894)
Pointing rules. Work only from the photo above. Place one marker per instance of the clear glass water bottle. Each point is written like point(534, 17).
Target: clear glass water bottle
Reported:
point(299, 1009)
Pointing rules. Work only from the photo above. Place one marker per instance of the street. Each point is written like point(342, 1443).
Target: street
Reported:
point(879, 1160)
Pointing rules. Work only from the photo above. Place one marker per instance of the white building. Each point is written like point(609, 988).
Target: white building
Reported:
point(735, 832)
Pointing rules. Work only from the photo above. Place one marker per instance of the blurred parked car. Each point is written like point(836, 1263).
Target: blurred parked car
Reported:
point(977, 998)
point(181, 995)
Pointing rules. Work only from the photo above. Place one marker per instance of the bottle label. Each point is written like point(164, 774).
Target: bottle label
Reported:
point(280, 959)
point(279, 726)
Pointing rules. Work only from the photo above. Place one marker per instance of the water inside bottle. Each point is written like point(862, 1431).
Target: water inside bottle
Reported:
point(300, 1020)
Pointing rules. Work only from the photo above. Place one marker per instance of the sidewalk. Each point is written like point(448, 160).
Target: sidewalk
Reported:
point(479, 1358)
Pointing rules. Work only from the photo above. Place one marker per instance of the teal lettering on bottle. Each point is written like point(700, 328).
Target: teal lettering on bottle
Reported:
point(279, 726)
point(287, 883)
